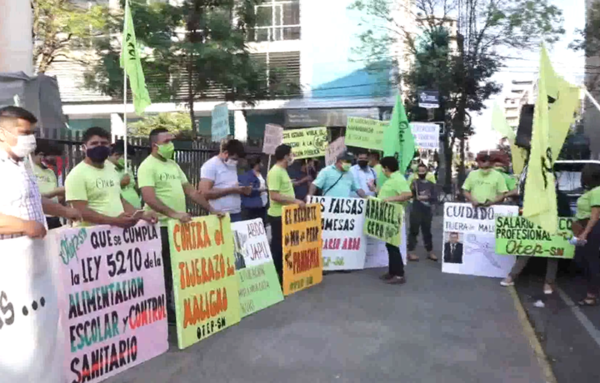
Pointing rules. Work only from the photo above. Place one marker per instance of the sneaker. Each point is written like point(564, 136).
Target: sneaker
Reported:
point(548, 289)
point(386, 277)
point(507, 282)
point(396, 280)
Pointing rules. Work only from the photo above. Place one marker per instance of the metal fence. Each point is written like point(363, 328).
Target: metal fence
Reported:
point(190, 155)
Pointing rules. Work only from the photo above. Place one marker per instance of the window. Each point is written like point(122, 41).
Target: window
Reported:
point(277, 20)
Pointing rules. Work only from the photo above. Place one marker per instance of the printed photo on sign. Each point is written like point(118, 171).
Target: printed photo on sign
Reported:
point(259, 285)
point(307, 143)
point(113, 306)
point(204, 280)
point(519, 236)
point(470, 240)
point(344, 241)
point(302, 247)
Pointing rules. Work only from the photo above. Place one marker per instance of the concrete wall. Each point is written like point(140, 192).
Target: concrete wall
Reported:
point(16, 43)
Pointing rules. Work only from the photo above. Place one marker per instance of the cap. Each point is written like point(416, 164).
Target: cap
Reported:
point(345, 156)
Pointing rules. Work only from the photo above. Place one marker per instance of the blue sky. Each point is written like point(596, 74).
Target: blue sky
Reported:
point(568, 63)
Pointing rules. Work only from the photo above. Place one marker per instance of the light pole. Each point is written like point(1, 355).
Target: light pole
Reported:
point(16, 41)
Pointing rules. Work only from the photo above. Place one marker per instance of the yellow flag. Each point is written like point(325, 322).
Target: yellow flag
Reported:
point(540, 195)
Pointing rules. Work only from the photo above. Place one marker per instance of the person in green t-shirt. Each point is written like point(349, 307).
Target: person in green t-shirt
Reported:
point(485, 186)
point(281, 192)
point(43, 159)
point(94, 188)
point(128, 187)
point(374, 163)
point(394, 190)
point(164, 187)
point(501, 165)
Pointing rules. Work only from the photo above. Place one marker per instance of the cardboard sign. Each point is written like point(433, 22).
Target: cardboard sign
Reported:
point(31, 345)
point(273, 138)
point(334, 149)
point(383, 220)
point(377, 255)
point(302, 247)
point(470, 240)
point(257, 277)
point(113, 306)
point(219, 128)
point(306, 143)
point(427, 136)
point(344, 241)
point(518, 236)
point(365, 133)
point(204, 281)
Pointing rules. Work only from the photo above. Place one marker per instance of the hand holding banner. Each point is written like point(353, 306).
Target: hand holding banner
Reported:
point(383, 220)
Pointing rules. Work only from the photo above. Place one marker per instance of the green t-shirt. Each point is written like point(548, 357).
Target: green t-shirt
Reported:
point(128, 192)
point(484, 187)
point(278, 180)
point(381, 177)
point(167, 179)
point(46, 179)
point(101, 188)
point(395, 185)
point(586, 202)
point(429, 177)
point(511, 182)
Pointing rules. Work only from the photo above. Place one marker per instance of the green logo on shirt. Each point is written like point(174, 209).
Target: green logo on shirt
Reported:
point(101, 184)
point(168, 177)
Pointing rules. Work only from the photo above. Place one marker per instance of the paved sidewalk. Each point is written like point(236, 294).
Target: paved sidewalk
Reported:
point(353, 328)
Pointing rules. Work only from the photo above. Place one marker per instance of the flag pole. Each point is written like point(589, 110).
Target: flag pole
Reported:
point(592, 99)
point(125, 95)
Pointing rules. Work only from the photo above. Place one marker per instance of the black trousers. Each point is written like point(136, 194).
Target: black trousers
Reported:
point(277, 245)
point(168, 272)
point(420, 219)
point(255, 213)
point(590, 257)
point(396, 266)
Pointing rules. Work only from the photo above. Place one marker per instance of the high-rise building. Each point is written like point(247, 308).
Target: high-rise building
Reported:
point(521, 92)
point(591, 120)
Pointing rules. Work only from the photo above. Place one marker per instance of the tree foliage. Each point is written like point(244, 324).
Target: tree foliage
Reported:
point(588, 41)
point(61, 27)
point(193, 51)
point(178, 123)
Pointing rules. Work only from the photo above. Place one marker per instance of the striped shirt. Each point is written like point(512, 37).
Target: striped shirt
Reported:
point(20, 195)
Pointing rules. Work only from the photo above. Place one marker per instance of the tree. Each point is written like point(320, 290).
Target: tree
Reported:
point(589, 43)
point(466, 60)
point(196, 50)
point(178, 123)
point(61, 27)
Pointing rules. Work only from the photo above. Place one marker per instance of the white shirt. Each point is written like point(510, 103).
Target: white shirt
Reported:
point(363, 177)
point(263, 194)
point(20, 196)
point(223, 177)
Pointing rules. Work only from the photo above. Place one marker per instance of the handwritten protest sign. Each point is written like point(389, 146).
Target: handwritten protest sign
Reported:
point(302, 247)
point(273, 138)
point(306, 143)
point(114, 303)
point(204, 280)
point(344, 242)
point(31, 346)
point(365, 133)
point(518, 236)
point(219, 123)
point(427, 136)
point(383, 220)
point(334, 149)
point(258, 281)
point(470, 240)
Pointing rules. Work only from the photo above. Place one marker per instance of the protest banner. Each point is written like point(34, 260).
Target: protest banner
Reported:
point(306, 143)
point(273, 138)
point(258, 281)
point(519, 236)
point(219, 127)
point(427, 136)
point(365, 133)
point(31, 343)
point(302, 247)
point(112, 299)
point(344, 242)
point(204, 280)
point(377, 255)
point(334, 149)
point(470, 240)
point(383, 220)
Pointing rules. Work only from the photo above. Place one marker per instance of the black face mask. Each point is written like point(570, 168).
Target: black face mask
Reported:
point(422, 176)
point(99, 154)
point(363, 163)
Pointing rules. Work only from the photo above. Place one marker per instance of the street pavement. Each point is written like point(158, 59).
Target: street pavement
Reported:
point(354, 328)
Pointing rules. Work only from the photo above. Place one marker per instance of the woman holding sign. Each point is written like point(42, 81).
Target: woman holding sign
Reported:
point(394, 190)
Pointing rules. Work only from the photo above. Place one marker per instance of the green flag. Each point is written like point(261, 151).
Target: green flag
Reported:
point(130, 61)
point(540, 195)
point(398, 140)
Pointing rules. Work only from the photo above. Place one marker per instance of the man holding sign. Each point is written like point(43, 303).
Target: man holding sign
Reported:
point(394, 190)
point(337, 180)
point(485, 186)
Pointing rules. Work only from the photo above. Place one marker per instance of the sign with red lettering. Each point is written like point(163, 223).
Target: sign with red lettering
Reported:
point(302, 247)
point(204, 280)
point(344, 241)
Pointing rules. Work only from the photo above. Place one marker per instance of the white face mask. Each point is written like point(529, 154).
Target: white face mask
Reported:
point(25, 146)
point(231, 163)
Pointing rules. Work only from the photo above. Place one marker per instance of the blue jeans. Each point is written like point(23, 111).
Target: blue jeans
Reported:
point(237, 217)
